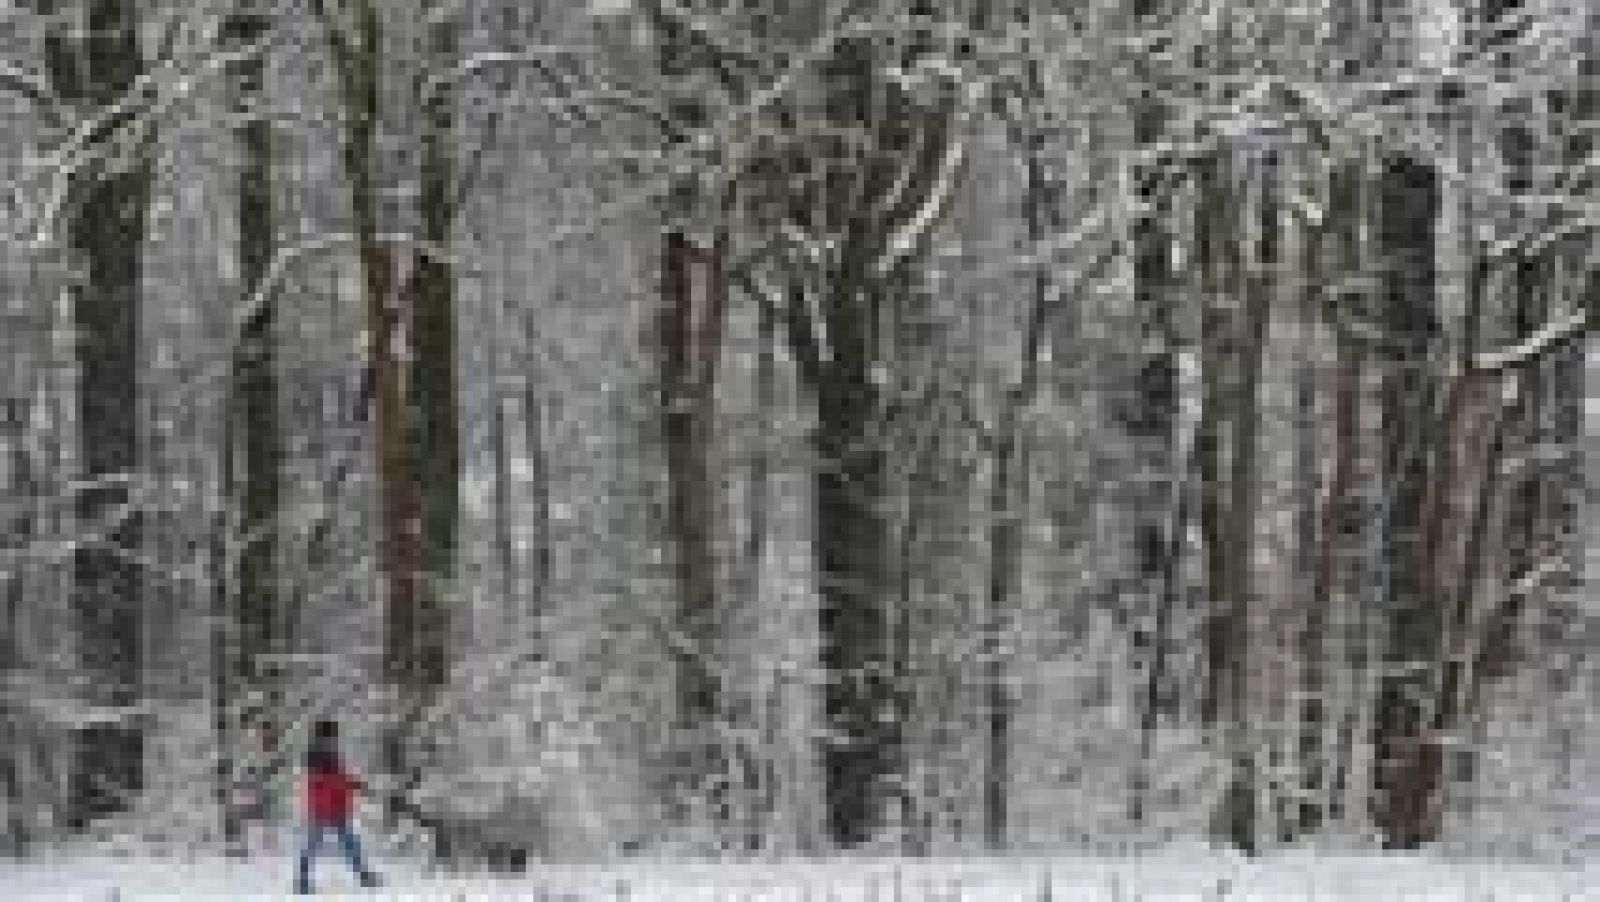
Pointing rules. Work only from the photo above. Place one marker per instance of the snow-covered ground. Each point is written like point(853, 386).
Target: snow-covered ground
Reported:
point(1165, 876)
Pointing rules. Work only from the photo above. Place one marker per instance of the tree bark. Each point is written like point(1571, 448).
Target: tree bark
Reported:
point(106, 232)
point(861, 701)
point(689, 326)
point(864, 700)
point(416, 640)
point(689, 330)
point(866, 214)
point(1407, 206)
point(430, 298)
point(1233, 325)
point(1150, 426)
point(254, 430)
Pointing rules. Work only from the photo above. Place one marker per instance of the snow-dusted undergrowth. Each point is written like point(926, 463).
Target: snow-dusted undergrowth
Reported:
point(1163, 876)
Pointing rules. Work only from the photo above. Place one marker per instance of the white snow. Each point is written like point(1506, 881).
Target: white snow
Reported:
point(1160, 876)
point(1555, 330)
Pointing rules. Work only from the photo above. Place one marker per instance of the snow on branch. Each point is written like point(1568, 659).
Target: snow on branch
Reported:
point(142, 103)
point(906, 238)
point(539, 58)
point(1552, 334)
point(1534, 578)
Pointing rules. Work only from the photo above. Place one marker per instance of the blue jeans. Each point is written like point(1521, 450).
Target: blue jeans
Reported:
point(348, 843)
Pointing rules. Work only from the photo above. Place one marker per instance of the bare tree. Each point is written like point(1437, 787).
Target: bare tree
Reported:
point(410, 346)
point(689, 328)
point(839, 349)
point(94, 60)
point(254, 436)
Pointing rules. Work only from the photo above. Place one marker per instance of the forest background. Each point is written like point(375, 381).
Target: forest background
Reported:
point(751, 426)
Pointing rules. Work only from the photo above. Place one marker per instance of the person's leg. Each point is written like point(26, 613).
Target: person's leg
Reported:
point(308, 852)
point(352, 852)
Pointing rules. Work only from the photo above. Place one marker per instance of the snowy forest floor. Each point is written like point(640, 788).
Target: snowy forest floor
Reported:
point(1160, 876)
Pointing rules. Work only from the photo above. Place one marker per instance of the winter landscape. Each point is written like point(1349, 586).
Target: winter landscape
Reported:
point(799, 449)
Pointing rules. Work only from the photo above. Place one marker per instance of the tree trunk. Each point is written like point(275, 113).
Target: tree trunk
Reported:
point(254, 429)
point(869, 210)
point(1150, 427)
point(505, 551)
point(537, 442)
point(861, 701)
point(106, 231)
point(761, 778)
point(864, 701)
point(689, 329)
point(21, 800)
point(1530, 513)
point(1334, 247)
point(431, 298)
point(862, 705)
point(416, 642)
point(1407, 208)
point(1233, 329)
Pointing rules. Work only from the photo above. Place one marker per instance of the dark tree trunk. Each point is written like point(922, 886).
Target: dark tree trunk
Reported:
point(20, 799)
point(1150, 424)
point(1406, 210)
point(106, 231)
point(254, 433)
point(689, 330)
point(534, 436)
point(861, 701)
point(867, 193)
point(863, 707)
point(431, 298)
point(1339, 522)
point(1231, 335)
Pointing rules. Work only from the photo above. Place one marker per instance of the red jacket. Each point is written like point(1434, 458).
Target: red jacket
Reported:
point(329, 795)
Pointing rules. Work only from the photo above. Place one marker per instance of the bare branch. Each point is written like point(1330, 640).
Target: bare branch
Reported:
point(34, 87)
point(908, 236)
point(140, 104)
point(539, 58)
point(1554, 334)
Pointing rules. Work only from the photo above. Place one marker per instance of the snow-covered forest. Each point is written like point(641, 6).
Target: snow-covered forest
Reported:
point(769, 428)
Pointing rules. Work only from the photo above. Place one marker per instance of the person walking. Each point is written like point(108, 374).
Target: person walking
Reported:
point(329, 802)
